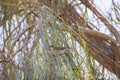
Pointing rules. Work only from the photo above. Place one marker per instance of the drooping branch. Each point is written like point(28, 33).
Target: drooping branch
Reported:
point(13, 44)
point(100, 46)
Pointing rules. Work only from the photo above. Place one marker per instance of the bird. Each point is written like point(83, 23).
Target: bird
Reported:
point(58, 49)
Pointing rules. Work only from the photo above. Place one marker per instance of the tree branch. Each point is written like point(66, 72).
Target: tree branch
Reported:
point(103, 19)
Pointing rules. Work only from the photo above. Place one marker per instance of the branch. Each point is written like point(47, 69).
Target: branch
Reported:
point(103, 19)
point(32, 25)
point(100, 35)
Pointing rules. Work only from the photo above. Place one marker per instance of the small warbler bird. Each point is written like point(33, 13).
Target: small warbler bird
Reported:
point(58, 50)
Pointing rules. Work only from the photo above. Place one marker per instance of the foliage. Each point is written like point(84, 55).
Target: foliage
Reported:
point(29, 27)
